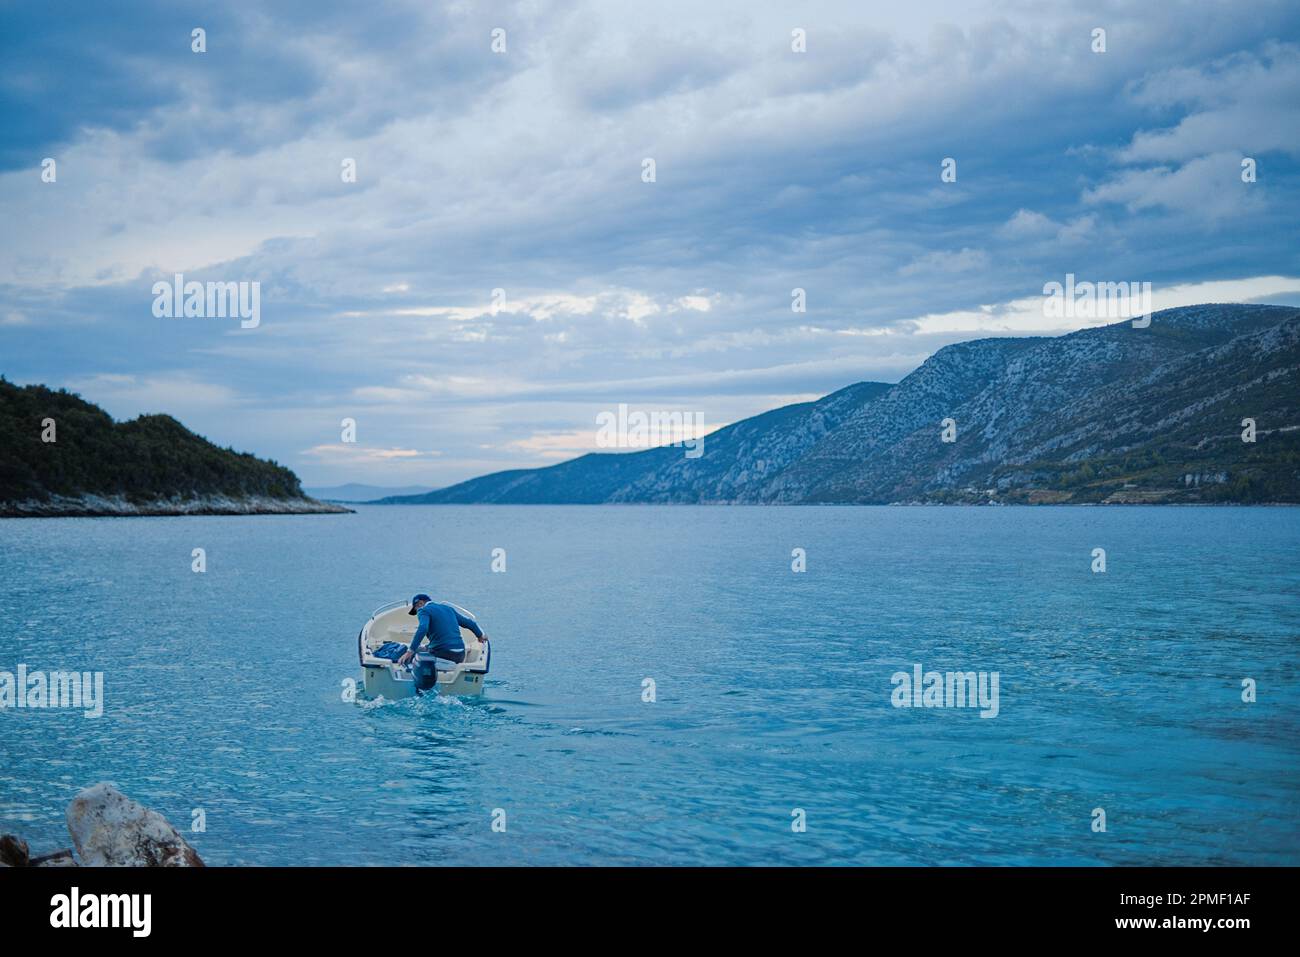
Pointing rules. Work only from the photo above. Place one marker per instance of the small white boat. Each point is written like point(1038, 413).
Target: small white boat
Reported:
point(427, 674)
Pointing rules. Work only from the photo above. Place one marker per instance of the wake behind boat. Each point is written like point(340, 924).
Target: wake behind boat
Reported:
point(388, 633)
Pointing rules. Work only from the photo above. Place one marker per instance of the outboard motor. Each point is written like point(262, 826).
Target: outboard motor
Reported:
point(424, 669)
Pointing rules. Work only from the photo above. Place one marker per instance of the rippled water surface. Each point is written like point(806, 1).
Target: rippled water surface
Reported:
point(1119, 691)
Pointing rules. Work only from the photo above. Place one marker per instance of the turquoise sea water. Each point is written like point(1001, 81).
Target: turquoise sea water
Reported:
point(1120, 691)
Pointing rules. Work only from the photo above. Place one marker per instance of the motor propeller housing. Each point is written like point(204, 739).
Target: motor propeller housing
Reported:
point(425, 671)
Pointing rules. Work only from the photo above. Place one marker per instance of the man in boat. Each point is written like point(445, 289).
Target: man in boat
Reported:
point(441, 625)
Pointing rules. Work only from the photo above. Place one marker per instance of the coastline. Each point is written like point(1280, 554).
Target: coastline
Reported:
point(901, 504)
point(117, 506)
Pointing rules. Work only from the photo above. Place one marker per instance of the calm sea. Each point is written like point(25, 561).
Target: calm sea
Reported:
point(1120, 691)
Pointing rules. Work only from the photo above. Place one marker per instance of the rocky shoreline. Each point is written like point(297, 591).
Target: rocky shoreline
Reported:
point(108, 829)
point(87, 506)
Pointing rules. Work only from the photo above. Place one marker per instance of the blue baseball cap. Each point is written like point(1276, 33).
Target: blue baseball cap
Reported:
point(417, 598)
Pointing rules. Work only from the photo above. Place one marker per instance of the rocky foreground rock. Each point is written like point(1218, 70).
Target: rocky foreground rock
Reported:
point(108, 829)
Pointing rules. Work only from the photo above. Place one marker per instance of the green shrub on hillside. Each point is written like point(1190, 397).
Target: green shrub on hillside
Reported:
point(148, 458)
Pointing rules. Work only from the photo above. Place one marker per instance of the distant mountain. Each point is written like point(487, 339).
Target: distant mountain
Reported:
point(1111, 414)
point(355, 493)
point(151, 465)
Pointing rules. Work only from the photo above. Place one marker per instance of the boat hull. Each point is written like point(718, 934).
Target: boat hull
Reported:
point(396, 682)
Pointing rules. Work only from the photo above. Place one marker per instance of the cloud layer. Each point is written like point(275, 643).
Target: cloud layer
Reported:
point(500, 272)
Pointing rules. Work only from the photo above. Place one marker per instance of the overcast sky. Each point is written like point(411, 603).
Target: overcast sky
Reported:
point(522, 170)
